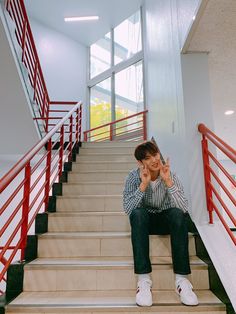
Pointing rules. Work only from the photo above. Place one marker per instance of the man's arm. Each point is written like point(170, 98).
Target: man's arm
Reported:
point(132, 195)
point(176, 193)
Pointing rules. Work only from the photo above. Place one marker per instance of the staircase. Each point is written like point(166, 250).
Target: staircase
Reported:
point(84, 262)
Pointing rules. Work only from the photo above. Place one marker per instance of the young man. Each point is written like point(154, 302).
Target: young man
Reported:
point(154, 200)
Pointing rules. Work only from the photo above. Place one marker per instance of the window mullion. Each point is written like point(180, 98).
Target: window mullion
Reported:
point(113, 105)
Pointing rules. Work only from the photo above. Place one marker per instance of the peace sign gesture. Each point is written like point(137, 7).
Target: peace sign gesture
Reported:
point(165, 173)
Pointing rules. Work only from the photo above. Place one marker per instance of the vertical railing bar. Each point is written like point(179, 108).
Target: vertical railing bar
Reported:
point(70, 138)
point(48, 172)
point(207, 176)
point(61, 151)
point(25, 209)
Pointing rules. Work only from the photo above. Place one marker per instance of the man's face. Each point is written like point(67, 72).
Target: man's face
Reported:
point(152, 162)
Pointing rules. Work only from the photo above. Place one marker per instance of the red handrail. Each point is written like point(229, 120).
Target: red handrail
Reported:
point(111, 132)
point(24, 35)
point(26, 187)
point(211, 186)
point(17, 11)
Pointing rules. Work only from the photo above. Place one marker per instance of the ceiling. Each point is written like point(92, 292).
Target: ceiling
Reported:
point(110, 12)
point(215, 34)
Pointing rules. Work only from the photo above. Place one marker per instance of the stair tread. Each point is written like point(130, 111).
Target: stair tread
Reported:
point(101, 171)
point(90, 213)
point(103, 234)
point(91, 196)
point(93, 182)
point(105, 299)
point(104, 261)
point(104, 161)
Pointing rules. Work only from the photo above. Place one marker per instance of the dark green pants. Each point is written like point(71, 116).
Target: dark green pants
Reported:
point(170, 221)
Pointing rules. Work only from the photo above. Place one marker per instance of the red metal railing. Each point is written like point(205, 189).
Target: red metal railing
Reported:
point(212, 179)
point(133, 127)
point(29, 184)
point(58, 109)
point(17, 11)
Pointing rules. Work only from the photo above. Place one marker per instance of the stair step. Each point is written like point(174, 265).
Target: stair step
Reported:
point(88, 221)
point(119, 301)
point(90, 203)
point(106, 150)
point(132, 144)
point(88, 188)
point(103, 165)
point(82, 244)
point(97, 176)
point(58, 275)
point(107, 157)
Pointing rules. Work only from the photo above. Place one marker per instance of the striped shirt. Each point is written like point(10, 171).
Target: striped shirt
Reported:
point(154, 199)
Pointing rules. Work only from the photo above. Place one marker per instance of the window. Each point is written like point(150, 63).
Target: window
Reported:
point(100, 55)
point(127, 38)
point(100, 106)
point(129, 90)
point(129, 96)
point(118, 90)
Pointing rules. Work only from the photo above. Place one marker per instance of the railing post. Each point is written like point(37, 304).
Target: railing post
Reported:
point(47, 112)
point(23, 43)
point(144, 127)
point(70, 139)
point(7, 5)
point(77, 127)
point(25, 210)
point(48, 173)
point(85, 136)
point(61, 150)
point(80, 122)
point(111, 132)
point(44, 104)
point(35, 78)
point(207, 176)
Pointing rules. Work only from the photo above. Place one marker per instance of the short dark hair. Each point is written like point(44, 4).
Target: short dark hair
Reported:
point(142, 149)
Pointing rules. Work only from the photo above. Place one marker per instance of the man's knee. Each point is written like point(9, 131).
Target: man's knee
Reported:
point(139, 216)
point(177, 216)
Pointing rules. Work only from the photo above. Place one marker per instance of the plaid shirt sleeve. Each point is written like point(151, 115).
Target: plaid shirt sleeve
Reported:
point(132, 196)
point(176, 194)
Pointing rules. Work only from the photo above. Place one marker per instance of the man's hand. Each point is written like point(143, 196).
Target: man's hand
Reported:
point(145, 178)
point(165, 173)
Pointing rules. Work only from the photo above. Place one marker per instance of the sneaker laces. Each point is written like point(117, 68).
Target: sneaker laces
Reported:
point(185, 286)
point(144, 285)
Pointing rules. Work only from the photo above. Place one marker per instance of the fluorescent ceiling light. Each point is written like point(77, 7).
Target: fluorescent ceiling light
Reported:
point(229, 112)
point(81, 18)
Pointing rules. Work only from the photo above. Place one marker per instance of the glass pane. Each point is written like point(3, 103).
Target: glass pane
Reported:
point(127, 38)
point(100, 55)
point(100, 109)
point(129, 97)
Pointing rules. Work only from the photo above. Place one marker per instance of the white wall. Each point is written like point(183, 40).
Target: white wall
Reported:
point(17, 129)
point(166, 118)
point(231, 168)
point(64, 64)
point(186, 11)
point(198, 109)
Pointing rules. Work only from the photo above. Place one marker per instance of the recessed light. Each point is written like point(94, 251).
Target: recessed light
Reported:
point(229, 112)
point(81, 18)
point(194, 17)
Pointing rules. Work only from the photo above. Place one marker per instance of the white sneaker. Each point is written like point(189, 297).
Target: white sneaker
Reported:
point(144, 293)
point(184, 290)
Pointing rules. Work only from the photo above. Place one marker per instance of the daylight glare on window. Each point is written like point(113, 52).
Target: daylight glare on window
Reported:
point(100, 56)
point(127, 38)
point(100, 103)
point(129, 90)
